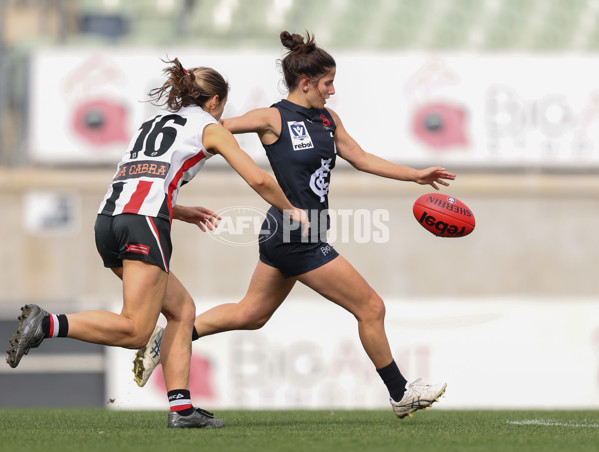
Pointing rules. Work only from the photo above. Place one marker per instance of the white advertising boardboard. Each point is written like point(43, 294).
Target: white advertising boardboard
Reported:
point(500, 353)
point(413, 108)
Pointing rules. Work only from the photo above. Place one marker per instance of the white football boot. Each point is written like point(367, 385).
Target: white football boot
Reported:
point(418, 396)
point(147, 358)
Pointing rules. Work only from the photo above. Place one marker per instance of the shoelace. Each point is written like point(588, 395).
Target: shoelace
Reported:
point(205, 413)
point(416, 386)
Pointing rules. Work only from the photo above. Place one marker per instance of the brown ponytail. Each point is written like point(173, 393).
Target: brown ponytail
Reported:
point(185, 87)
point(295, 42)
point(304, 59)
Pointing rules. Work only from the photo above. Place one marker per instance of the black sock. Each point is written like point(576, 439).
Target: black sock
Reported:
point(394, 380)
point(180, 401)
point(195, 336)
point(55, 325)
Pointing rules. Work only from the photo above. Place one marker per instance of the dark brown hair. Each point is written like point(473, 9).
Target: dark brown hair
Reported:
point(184, 87)
point(304, 59)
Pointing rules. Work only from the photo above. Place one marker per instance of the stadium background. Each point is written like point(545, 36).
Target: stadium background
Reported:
point(512, 306)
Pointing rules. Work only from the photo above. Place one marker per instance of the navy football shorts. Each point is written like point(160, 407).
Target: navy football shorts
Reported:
point(295, 258)
point(133, 237)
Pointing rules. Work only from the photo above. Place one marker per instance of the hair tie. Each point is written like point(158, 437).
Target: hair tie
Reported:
point(184, 70)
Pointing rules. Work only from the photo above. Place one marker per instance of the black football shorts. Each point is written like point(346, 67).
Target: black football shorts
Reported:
point(294, 258)
point(133, 237)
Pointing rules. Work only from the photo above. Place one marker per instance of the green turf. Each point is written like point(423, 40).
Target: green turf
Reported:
point(364, 431)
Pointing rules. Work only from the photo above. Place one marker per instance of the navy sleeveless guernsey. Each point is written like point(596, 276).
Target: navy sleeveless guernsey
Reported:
point(302, 159)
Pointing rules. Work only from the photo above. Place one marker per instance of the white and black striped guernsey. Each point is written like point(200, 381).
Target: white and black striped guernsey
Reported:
point(166, 152)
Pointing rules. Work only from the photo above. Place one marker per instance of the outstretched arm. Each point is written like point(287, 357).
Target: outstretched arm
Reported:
point(217, 139)
point(350, 150)
point(266, 122)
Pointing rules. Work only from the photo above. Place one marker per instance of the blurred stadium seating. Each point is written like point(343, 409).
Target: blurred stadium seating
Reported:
point(487, 25)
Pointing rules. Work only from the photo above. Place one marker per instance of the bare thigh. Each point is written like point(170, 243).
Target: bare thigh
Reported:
point(144, 288)
point(341, 283)
point(268, 289)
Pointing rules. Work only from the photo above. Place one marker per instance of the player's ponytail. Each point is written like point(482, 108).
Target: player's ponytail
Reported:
point(304, 59)
point(295, 42)
point(184, 87)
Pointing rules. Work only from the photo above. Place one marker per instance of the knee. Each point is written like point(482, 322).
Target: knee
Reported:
point(374, 310)
point(137, 338)
point(184, 312)
point(188, 311)
point(256, 323)
point(248, 320)
point(141, 340)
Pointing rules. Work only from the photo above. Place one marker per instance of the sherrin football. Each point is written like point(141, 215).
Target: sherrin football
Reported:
point(444, 216)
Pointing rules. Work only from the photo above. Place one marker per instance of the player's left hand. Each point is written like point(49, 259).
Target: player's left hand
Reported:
point(204, 218)
point(434, 175)
point(301, 216)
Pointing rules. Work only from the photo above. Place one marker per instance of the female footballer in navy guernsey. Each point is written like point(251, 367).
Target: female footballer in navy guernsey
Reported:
point(133, 233)
point(302, 139)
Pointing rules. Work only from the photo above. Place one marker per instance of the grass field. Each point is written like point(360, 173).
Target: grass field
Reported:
point(91, 430)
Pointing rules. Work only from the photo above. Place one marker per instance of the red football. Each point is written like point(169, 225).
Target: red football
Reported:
point(443, 215)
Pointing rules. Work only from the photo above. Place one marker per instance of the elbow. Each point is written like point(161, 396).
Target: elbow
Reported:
point(226, 123)
point(258, 181)
point(360, 164)
point(357, 166)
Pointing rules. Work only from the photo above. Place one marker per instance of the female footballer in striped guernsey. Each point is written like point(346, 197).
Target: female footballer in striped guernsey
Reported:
point(302, 139)
point(133, 229)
